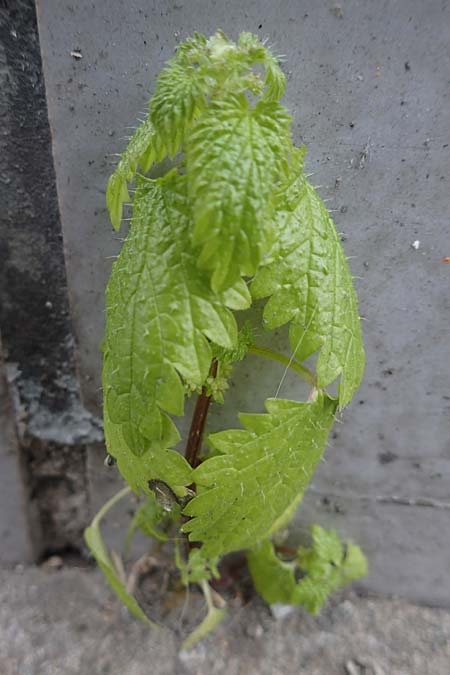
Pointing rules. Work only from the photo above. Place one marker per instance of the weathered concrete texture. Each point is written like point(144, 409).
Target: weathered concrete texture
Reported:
point(368, 87)
point(52, 427)
point(88, 634)
point(14, 535)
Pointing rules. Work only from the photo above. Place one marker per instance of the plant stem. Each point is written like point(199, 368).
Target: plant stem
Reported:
point(304, 372)
point(109, 504)
point(198, 422)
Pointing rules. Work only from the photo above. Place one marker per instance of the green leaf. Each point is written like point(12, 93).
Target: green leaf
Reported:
point(116, 196)
point(174, 103)
point(158, 462)
point(205, 69)
point(273, 578)
point(96, 545)
point(275, 81)
point(326, 567)
point(234, 158)
point(140, 150)
point(237, 296)
point(308, 279)
point(197, 568)
point(180, 93)
point(160, 314)
point(245, 341)
point(199, 70)
point(262, 471)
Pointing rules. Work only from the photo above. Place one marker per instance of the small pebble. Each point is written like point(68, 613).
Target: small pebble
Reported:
point(359, 666)
point(255, 631)
point(54, 562)
point(280, 611)
point(351, 668)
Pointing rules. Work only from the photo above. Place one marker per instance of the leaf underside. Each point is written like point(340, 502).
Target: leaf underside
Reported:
point(262, 471)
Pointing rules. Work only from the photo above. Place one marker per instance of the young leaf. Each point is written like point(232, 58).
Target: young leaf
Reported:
point(275, 81)
point(273, 578)
point(140, 150)
point(180, 90)
point(262, 471)
point(234, 157)
point(325, 567)
point(245, 341)
point(309, 282)
point(199, 68)
point(328, 566)
point(197, 568)
point(116, 196)
point(160, 313)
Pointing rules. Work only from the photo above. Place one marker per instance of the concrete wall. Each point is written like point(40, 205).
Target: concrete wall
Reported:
point(52, 428)
point(368, 85)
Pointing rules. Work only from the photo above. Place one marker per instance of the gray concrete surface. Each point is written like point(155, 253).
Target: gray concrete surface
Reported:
point(88, 634)
point(368, 86)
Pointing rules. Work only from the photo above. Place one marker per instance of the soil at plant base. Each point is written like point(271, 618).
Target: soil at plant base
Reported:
point(66, 622)
point(165, 600)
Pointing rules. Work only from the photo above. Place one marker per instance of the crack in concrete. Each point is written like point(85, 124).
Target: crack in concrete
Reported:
point(397, 500)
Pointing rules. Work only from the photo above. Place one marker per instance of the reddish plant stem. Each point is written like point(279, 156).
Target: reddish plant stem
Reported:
point(198, 422)
point(286, 550)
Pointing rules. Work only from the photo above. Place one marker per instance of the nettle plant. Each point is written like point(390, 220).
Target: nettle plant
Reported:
point(233, 220)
